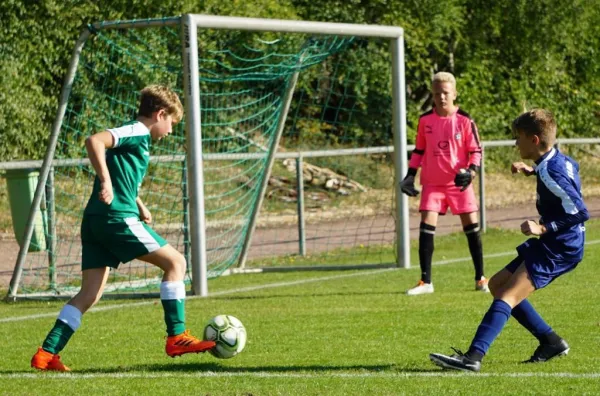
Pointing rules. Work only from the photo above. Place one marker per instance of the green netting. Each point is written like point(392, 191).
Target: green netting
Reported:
point(243, 79)
point(342, 103)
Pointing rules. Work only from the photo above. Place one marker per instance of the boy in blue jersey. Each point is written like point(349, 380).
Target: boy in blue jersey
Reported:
point(557, 251)
point(115, 228)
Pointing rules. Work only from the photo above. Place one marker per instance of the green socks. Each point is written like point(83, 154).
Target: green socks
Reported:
point(174, 316)
point(172, 296)
point(57, 338)
point(69, 320)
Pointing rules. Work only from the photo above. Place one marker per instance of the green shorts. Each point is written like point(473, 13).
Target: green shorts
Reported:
point(107, 242)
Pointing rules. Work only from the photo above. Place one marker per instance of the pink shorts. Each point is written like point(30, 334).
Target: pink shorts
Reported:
point(439, 198)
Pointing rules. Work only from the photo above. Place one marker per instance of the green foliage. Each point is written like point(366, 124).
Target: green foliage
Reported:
point(532, 54)
point(506, 54)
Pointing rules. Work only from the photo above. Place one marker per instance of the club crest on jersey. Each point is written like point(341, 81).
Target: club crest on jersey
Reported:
point(443, 144)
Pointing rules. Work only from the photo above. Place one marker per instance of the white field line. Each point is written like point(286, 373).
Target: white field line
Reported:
point(265, 286)
point(214, 294)
point(307, 375)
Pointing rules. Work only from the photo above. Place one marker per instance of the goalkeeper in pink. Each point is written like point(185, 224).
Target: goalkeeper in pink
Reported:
point(449, 153)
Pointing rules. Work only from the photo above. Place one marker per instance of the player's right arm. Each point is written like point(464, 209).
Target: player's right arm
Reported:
point(521, 167)
point(417, 155)
point(96, 146)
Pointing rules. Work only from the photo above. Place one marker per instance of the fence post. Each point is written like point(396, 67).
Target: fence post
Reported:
point(51, 229)
point(482, 217)
point(300, 190)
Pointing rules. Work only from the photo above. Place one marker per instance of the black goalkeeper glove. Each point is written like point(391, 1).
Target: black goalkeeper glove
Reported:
point(463, 179)
point(407, 186)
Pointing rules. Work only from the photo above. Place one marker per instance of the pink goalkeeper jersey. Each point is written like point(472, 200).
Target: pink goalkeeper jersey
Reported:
point(444, 145)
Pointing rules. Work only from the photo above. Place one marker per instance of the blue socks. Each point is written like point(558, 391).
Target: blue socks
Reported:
point(528, 317)
point(496, 317)
point(492, 324)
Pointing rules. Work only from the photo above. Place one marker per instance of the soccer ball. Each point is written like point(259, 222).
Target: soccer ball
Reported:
point(229, 334)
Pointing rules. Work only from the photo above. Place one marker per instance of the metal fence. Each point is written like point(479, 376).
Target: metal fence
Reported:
point(299, 157)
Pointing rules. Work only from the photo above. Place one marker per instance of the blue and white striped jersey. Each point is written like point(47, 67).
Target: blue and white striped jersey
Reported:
point(561, 207)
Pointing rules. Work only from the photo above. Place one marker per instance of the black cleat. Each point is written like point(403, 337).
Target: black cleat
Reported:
point(545, 352)
point(457, 361)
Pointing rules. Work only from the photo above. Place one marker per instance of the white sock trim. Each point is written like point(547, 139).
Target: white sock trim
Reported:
point(172, 290)
point(71, 316)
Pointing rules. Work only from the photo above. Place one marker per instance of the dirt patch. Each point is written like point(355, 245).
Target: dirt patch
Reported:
point(283, 240)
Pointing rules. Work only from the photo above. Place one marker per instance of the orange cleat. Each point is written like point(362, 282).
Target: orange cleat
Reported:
point(43, 360)
point(186, 343)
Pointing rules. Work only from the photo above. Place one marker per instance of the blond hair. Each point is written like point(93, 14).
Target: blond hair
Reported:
point(444, 77)
point(538, 122)
point(160, 97)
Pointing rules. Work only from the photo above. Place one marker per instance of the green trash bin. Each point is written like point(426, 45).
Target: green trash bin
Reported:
point(21, 184)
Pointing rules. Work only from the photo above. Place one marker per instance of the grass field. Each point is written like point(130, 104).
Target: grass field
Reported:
point(322, 333)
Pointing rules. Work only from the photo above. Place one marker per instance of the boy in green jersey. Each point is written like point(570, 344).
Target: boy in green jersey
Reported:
point(115, 228)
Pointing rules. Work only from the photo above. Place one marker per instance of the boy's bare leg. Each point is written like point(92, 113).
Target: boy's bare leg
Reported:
point(469, 218)
point(168, 259)
point(498, 281)
point(429, 217)
point(93, 281)
point(517, 288)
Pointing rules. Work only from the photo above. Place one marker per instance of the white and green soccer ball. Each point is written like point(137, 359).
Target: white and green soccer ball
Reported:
point(229, 334)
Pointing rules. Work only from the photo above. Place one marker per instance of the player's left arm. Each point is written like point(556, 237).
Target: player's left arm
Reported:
point(564, 185)
point(474, 148)
point(145, 214)
point(530, 227)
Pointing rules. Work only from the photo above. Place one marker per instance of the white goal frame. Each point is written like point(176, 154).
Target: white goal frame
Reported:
point(189, 24)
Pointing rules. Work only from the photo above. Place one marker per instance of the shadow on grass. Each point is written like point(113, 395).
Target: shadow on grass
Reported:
point(198, 368)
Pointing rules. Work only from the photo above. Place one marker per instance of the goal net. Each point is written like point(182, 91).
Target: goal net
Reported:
point(296, 168)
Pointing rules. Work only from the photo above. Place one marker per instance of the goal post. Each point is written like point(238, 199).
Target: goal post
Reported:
point(193, 123)
point(238, 91)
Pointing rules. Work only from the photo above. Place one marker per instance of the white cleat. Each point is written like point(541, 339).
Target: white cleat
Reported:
point(421, 288)
point(482, 285)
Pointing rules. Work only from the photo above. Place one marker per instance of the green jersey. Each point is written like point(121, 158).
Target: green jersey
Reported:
point(127, 163)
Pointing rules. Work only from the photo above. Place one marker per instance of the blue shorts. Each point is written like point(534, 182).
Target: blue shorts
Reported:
point(541, 270)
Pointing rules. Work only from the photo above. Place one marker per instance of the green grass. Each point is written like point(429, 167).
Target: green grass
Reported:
point(342, 332)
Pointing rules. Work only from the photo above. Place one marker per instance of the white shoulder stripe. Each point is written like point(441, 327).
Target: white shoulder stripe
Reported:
point(570, 173)
point(135, 129)
point(567, 203)
point(548, 157)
